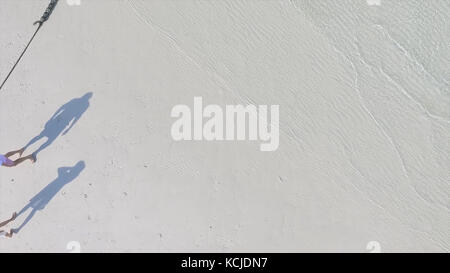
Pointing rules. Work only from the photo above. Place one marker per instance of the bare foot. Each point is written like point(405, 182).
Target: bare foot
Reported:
point(10, 234)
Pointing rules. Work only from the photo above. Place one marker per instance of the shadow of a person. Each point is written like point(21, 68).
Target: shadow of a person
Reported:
point(40, 200)
point(66, 115)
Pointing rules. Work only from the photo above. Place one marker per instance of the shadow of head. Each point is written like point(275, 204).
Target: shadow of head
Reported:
point(87, 96)
point(81, 102)
point(76, 107)
point(67, 174)
point(78, 104)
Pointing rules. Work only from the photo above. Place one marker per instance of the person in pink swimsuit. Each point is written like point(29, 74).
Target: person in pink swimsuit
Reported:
point(6, 162)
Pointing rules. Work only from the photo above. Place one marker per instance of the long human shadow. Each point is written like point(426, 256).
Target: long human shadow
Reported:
point(66, 115)
point(40, 200)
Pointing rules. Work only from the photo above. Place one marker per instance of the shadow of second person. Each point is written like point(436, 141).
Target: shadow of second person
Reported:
point(62, 121)
point(41, 200)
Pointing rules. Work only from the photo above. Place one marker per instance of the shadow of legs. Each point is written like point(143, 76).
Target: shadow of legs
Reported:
point(43, 146)
point(29, 217)
point(35, 139)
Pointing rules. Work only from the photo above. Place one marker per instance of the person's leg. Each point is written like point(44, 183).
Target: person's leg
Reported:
point(31, 142)
point(10, 234)
point(22, 159)
point(20, 152)
point(13, 217)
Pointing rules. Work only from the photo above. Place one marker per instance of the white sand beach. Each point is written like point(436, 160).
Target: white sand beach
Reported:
point(364, 126)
